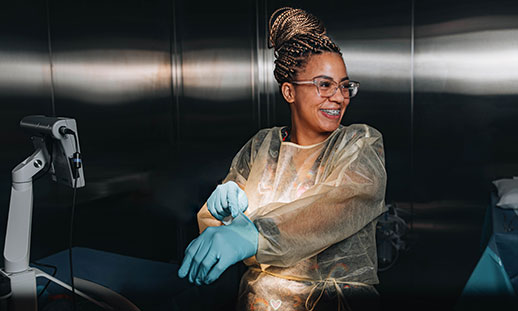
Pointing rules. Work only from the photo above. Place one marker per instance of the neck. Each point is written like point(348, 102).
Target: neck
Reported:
point(306, 138)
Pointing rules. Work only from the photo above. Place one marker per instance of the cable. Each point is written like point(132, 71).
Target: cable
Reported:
point(76, 159)
point(49, 281)
point(75, 138)
point(70, 245)
point(389, 232)
point(393, 262)
point(77, 165)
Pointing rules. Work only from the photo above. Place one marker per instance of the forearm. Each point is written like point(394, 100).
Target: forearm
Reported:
point(326, 214)
point(300, 232)
point(205, 219)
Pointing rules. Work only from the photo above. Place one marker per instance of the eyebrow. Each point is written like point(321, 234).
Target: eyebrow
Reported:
point(330, 78)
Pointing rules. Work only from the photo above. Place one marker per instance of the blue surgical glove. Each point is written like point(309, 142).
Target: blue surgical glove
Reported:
point(228, 199)
point(217, 248)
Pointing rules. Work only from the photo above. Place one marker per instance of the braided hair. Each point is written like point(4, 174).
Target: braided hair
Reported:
point(295, 35)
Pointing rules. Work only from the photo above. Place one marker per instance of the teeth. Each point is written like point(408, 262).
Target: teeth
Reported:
point(332, 112)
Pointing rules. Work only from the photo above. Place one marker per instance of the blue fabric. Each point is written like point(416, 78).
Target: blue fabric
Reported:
point(504, 239)
point(150, 285)
point(494, 281)
point(143, 281)
point(489, 277)
point(487, 226)
point(489, 286)
point(507, 246)
point(217, 248)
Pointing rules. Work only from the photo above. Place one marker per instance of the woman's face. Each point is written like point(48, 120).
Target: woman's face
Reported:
point(310, 112)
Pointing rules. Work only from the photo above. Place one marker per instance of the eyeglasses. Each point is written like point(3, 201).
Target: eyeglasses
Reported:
point(328, 87)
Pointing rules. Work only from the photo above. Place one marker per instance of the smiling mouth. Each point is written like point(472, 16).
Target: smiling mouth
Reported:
point(331, 112)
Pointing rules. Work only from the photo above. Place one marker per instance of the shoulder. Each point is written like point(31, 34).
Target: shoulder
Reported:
point(262, 138)
point(355, 136)
point(359, 131)
point(263, 134)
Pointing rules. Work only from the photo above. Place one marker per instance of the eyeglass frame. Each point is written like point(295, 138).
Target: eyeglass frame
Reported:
point(338, 85)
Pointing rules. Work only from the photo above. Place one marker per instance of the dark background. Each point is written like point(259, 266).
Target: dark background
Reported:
point(166, 92)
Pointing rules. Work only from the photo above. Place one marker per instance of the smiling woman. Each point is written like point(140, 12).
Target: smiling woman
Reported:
point(316, 111)
point(299, 204)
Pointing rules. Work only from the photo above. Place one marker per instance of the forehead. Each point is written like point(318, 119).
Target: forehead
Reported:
point(327, 64)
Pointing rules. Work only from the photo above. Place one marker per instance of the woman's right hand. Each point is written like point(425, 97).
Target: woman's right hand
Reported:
point(228, 199)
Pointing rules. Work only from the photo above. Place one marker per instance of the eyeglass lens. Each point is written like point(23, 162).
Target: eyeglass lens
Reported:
point(327, 88)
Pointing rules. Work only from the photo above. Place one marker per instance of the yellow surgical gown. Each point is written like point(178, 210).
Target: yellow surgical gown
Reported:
point(315, 208)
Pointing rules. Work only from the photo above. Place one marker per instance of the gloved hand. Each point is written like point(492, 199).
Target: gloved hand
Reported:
point(228, 199)
point(217, 248)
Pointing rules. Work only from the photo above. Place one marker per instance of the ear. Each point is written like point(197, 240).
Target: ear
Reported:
point(288, 92)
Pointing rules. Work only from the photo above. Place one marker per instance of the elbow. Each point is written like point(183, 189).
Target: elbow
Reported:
point(276, 260)
point(272, 253)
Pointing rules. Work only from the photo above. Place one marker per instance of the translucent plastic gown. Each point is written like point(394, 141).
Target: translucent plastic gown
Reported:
point(315, 208)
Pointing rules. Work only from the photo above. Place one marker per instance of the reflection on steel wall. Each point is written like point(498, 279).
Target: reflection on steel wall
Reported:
point(24, 73)
point(469, 54)
point(466, 72)
point(216, 46)
point(167, 87)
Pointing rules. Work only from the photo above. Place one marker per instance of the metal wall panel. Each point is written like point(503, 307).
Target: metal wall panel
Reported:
point(217, 106)
point(112, 72)
point(465, 78)
point(216, 45)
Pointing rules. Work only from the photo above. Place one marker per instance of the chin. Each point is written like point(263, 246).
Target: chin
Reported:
point(327, 125)
point(328, 128)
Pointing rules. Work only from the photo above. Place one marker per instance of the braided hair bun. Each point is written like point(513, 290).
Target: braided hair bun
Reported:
point(295, 35)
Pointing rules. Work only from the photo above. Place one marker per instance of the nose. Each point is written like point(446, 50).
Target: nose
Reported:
point(338, 97)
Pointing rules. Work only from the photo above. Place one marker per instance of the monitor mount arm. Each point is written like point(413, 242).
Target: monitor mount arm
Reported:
point(18, 237)
point(65, 167)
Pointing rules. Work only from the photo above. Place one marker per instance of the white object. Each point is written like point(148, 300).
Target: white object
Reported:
point(227, 220)
point(507, 193)
point(18, 237)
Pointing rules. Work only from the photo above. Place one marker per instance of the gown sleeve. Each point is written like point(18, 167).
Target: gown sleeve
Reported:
point(349, 198)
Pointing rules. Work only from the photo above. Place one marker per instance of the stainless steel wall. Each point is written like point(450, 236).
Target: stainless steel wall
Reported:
point(165, 93)
point(465, 97)
point(216, 45)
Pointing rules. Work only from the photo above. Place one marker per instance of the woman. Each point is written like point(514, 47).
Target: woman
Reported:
point(311, 192)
